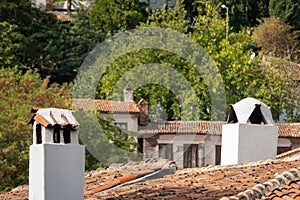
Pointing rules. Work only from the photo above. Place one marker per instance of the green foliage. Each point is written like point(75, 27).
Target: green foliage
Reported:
point(19, 93)
point(157, 90)
point(41, 42)
point(11, 44)
point(287, 10)
point(106, 142)
point(242, 14)
point(111, 16)
point(242, 76)
point(276, 38)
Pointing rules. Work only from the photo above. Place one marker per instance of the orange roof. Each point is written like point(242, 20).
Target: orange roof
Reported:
point(183, 127)
point(289, 130)
point(61, 16)
point(106, 106)
point(255, 180)
point(208, 127)
point(293, 154)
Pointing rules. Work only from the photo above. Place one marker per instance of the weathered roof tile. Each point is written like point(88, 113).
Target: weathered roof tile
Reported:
point(106, 106)
point(208, 127)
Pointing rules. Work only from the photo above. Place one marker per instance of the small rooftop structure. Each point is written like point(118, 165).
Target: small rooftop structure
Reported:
point(54, 125)
point(250, 110)
point(56, 159)
point(50, 117)
point(250, 133)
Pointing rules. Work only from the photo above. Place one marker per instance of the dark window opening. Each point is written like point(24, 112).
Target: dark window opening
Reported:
point(218, 155)
point(190, 155)
point(56, 135)
point(67, 136)
point(281, 150)
point(141, 145)
point(166, 151)
point(232, 118)
point(257, 117)
point(38, 130)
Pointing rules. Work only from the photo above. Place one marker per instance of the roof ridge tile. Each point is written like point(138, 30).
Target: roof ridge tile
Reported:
point(259, 190)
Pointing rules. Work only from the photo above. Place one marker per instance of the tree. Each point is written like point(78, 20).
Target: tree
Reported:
point(11, 45)
point(19, 93)
point(105, 142)
point(242, 76)
point(111, 16)
point(276, 38)
point(287, 10)
point(243, 14)
point(52, 47)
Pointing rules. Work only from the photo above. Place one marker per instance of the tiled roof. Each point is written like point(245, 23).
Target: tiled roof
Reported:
point(106, 106)
point(284, 185)
point(50, 117)
point(268, 179)
point(62, 16)
point(183, 127)
point(290, 155)
point(213, 182)
point(208, 127)
point(103, 179)
point(289, 130)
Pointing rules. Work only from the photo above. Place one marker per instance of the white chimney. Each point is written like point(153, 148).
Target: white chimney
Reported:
point(56, 165)
point(249, 134)
point(128, 94)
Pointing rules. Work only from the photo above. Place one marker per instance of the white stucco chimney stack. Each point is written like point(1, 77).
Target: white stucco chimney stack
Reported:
point(250, 134)
point(128, 94)
point(56, 165)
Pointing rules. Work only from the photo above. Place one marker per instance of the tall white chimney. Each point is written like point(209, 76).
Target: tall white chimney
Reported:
point(128, 94)
point(249, 134)
point(56, 165)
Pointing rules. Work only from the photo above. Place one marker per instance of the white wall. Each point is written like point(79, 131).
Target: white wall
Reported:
point(130, 119)
point(39, 3)
point(248, 142)
point(56, 171)
point(178, 141)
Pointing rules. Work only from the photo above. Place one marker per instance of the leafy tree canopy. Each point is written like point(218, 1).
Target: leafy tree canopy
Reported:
point(111, 16)
point(19, 93)
point(242, 76)
point(37, 40)
point(276, 38)
point(287, 10)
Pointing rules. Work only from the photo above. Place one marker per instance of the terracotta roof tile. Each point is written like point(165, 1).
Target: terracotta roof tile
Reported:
point(103, 179)
point(290, 155)
point(106, 106)
point(269, 179)
point(208, 183)
point(62, 16)
point(50, 117)
point(208, 127)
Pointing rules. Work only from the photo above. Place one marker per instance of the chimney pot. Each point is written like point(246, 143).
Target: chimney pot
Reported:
point(128, 94)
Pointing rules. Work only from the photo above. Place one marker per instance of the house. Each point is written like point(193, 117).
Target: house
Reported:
point(62, 6)
point(198, 143)
point(48, 4)
point(126, 114)
point(157, 4)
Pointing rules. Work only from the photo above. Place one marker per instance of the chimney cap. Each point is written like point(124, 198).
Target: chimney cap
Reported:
point(50, 117)
point(250, 110)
